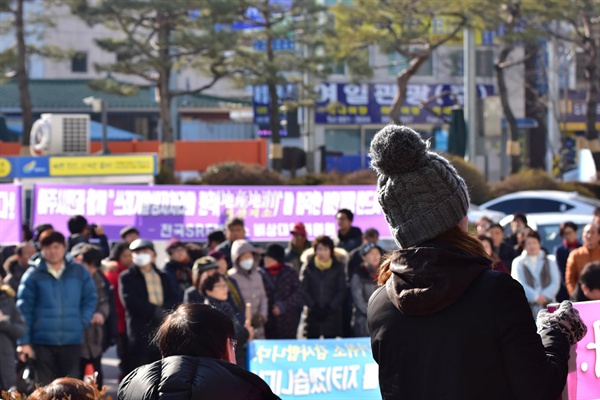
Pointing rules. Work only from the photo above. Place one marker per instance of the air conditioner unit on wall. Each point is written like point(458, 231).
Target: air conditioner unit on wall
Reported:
point(61, 134)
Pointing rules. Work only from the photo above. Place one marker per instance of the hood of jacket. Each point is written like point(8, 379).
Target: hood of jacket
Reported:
point(339, 255)
point(426, 280)
point(240, 247)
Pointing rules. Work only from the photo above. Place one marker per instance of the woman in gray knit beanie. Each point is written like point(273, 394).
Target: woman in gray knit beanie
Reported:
point(443, 324)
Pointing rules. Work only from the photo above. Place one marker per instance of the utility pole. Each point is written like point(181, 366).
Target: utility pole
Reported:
point(470, 91)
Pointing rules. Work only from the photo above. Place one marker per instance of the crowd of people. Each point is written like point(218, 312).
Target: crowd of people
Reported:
point(571, 270)
point(68, 299)
point(65, 300)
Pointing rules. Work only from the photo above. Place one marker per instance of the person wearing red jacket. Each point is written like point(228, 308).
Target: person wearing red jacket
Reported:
point(118, 261)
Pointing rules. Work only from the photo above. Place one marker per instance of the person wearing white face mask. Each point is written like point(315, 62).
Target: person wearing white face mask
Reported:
point(146, 294)
point(250, 282)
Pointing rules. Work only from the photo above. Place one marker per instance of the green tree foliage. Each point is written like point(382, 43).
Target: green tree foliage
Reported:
point(155, 38)
point(412, 29)
point(297, 22)
point(577, 22)
point(17, 19)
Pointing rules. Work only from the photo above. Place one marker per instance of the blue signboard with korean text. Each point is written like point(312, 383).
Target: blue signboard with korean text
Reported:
point(317, 369)
point(261, 101)
point(369, 103)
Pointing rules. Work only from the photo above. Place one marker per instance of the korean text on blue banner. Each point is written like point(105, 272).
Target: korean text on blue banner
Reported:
point(317, 369)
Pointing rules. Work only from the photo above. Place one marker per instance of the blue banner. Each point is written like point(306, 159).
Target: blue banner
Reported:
point(261, 101)
point(369, 103)
point(317, 369)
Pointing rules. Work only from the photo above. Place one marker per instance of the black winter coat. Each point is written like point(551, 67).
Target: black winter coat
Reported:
point(444, 326)
point(193, 378)
point(143, 317)
point(325, 289)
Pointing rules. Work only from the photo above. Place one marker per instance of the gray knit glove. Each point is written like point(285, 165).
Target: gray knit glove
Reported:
point(565, 319)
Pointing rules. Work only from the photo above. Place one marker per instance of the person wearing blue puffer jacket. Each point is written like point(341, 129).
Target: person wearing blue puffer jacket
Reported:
point(57, 298)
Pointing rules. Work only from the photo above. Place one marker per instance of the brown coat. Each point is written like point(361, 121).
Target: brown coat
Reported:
point(578, 259)
point(92, 337)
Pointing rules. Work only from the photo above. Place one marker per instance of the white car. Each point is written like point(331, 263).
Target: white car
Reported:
point(542, 201)
point(475, 213)
point(548, 225)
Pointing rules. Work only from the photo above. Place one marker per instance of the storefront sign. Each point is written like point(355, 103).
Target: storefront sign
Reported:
point(349, 103)
point(63, 166)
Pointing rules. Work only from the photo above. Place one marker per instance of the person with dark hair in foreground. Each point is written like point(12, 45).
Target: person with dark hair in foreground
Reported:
point(66, 389)
point(197, 345)
point(443, 324)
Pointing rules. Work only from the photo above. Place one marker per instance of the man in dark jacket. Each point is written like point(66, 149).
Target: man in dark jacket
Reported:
point(57, 298)
point(146, 294)
point(82, 232)
point(350, 237)
point(201, 367)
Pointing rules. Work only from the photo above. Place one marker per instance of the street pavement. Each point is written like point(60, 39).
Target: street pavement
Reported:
point(110, 367)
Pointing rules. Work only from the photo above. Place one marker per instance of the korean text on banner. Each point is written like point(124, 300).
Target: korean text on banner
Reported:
point(583, 382)
point(10, 214)
point(317, 369)
point(191, 213)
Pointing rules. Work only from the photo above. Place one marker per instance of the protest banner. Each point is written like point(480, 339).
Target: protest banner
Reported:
point(583, 381)
point(192, 212)
point(10, 214)
point(316, 369)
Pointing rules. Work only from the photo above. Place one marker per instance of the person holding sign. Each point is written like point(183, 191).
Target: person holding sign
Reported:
point(443, 324)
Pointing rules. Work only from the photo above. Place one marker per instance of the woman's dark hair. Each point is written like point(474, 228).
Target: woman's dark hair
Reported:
point(92, 255)
point(455, 237)
point(590, 275)
point(483, 238)
point(196, 330)
point(117, 250)
point(532, 234)
point(565, 225)
point(324, 241)
point(209, 282)
point(65, 389)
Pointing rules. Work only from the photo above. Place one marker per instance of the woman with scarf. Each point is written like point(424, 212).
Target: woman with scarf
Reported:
point(362, 285)
point(537, 272)
point(284, 293)
point(323, 279)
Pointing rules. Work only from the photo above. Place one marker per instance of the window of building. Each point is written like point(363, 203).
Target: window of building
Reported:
point(484, 63)
point(344, 141)
point(79, 62)
point(398, 62)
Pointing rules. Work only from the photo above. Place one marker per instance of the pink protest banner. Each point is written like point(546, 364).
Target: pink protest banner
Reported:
point(583, 381)
point(10, 214)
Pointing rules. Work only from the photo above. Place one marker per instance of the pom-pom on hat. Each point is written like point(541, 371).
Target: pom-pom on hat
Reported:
point(420, 193)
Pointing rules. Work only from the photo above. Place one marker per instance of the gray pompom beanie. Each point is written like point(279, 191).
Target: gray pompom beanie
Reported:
point(421, 194)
